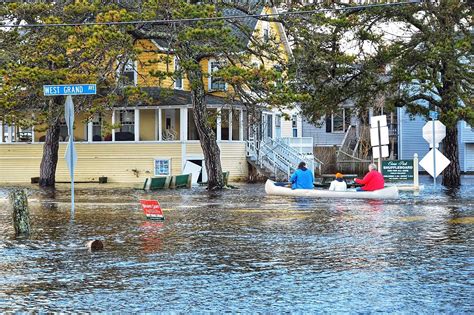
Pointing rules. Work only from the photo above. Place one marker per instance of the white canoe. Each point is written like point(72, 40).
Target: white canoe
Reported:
point(386, 193)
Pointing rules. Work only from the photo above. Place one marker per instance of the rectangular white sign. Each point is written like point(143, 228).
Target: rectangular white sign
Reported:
point(374, 136)
point(375, 152)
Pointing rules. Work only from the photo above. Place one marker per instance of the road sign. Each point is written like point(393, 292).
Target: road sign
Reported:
point(439, 132)
point(375, 119)
point(152, 209)
point(374, 136)
point(433, 115)
point(376, 152)
point(428, 162)
point(69, 89)
point(398, 169)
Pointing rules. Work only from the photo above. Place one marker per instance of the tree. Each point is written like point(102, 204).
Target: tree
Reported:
point(232, 43)
point(37, 56)
point(418, 56)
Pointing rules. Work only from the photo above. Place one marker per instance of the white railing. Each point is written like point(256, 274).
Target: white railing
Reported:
point(278, 156)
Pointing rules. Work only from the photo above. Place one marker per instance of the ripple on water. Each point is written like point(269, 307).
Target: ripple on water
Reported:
point(241, 251)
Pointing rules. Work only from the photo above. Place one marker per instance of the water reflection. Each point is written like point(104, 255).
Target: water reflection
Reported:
point(240, 251)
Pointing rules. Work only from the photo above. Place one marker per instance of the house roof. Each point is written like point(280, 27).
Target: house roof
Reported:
point(167, 97)
point(235, 8)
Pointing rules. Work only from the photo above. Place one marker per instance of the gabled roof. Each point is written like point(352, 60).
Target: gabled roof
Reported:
point(236, 8)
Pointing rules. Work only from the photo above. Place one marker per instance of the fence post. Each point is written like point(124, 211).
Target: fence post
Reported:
point(21, 214)
point(416, 183)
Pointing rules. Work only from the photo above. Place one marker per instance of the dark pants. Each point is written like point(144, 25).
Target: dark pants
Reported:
point(281, 184)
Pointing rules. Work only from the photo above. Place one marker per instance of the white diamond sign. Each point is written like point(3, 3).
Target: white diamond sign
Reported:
point(439, 132)
point(428, 164)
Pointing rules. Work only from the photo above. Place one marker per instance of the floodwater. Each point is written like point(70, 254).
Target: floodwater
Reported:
point(241, 251)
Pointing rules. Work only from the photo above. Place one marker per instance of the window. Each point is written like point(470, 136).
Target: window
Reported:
point(294, 125)
point(127, 73)
point(178, 83)
point(215, 83)
point(97, 127)
point(162, 167)
point(63, 132)
point(127, 126)
point(266, 32)
point(338, 121)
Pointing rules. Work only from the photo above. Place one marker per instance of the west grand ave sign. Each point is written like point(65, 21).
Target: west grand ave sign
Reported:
point(69, 89)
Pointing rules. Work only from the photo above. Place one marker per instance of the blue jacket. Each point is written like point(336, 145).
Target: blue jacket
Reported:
point(302, 179)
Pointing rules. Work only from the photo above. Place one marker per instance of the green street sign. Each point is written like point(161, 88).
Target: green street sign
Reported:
point(397, 169)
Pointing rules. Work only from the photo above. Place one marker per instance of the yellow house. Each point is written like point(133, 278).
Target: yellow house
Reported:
point(155, 139)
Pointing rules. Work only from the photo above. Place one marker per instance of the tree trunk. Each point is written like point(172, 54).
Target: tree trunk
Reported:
point(452, 173)
point(207, 137)
point(50, 156)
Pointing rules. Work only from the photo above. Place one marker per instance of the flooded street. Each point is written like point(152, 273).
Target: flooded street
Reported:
point(241, 251)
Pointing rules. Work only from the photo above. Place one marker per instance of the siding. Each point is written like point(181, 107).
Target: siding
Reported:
point(469, 162)
point(20, 162)
point(411, 139)
point(467, 133)
point(320, 136)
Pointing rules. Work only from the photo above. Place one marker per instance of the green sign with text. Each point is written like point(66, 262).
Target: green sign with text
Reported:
point(398, 169)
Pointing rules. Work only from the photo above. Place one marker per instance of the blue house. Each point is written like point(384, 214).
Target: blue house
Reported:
point(411, 141)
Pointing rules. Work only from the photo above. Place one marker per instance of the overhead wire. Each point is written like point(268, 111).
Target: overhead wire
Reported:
point(217, 18)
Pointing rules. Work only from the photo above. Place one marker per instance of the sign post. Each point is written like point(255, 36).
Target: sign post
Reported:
point(379, 138)
point(434, 132)
point(69, 90)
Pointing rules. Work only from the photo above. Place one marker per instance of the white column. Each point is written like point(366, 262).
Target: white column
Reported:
point(160, 127)
point(136, 124)
point(89, 131)
point(1, 131)
point(9, 133)
point(32, 134)
point(218, 124)
point(156, 125)
point(230, 125)
point(273, 126)
point(183, 128)
point(113, 123)
point(241, 127)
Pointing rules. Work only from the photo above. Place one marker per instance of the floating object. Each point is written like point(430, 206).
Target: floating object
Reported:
point(152, 209)
point(385, 193)
point(95, 245)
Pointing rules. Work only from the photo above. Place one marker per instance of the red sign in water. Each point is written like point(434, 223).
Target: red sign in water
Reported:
point(152, 209)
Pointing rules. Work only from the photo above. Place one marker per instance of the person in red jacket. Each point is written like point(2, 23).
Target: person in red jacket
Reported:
point(373, 180)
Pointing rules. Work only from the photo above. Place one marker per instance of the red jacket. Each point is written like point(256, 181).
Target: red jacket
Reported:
point(373, 180)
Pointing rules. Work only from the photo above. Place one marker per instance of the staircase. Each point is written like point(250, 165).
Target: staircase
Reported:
point(276, 159)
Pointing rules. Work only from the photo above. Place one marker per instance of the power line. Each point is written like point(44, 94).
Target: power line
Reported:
point(220, 18)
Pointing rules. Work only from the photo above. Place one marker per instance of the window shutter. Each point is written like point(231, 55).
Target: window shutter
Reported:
point(328, 123)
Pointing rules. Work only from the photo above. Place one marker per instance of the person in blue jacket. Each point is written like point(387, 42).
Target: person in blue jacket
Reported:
point(302, 178)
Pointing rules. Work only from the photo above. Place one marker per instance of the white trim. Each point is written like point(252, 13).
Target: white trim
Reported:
point(33, 134)
point(113, 123)
point(9, 134)
point(160, 125)
point(2, 132)
point(230, 125)
point(219, 124)
point(89, 131)
point(162, 159)
point(136, 124)
point(241, 127)
point(183, 124)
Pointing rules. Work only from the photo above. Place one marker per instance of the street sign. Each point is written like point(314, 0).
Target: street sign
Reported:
point(69, 89)
point(398, 169)
point(376, 152)
point(374, 136)
point(433, 115)
point(429, 165)
point(152, 209)
point(439, 132)
point(375, 119)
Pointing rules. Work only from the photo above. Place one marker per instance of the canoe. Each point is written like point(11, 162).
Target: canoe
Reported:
point(385, 193)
